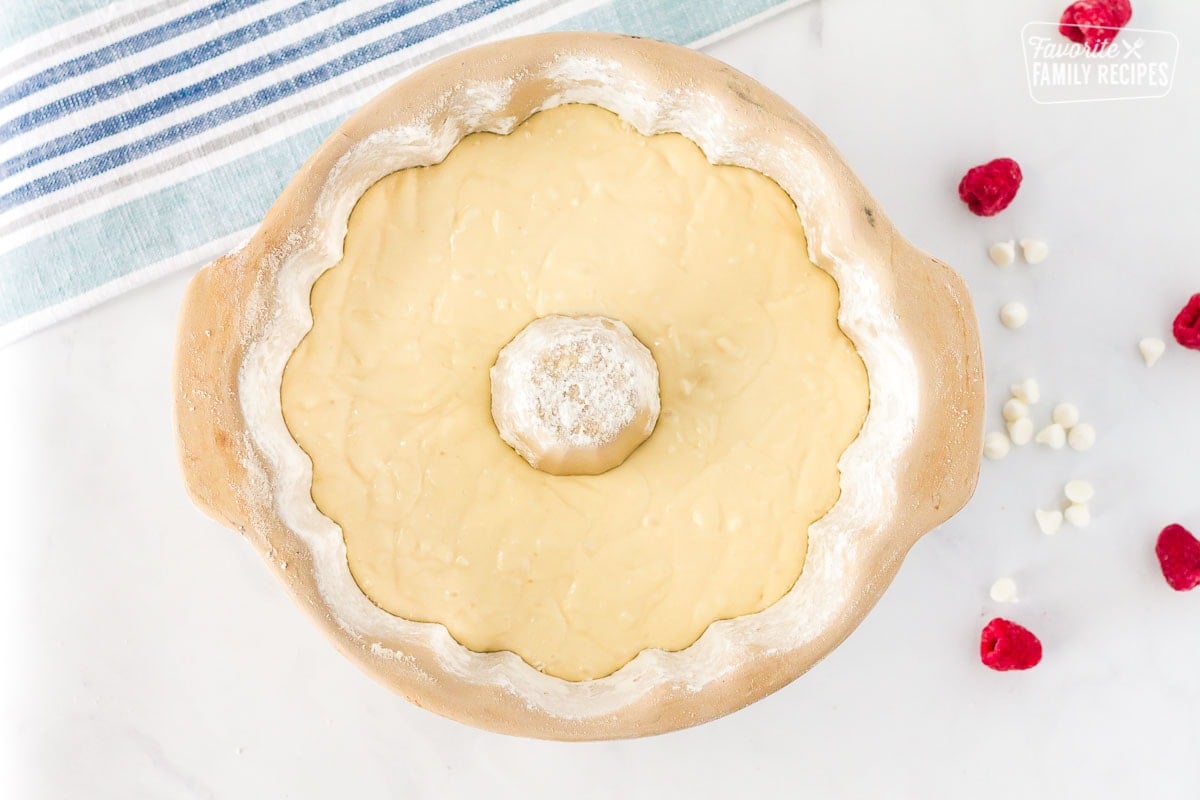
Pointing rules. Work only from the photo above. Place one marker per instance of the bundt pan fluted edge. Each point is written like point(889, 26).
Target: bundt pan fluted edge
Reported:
point(914, 464)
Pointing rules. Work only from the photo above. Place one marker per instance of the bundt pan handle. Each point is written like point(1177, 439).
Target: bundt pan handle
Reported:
point(209, 427)
point(936, 316)
point(229, 479)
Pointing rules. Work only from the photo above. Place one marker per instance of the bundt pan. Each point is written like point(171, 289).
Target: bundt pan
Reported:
point(914, 464)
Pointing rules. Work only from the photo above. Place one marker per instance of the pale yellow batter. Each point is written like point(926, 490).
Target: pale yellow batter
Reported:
point(575, 213)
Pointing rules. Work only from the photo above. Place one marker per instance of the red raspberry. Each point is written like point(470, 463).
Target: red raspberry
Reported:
point(989, 188)
point(1187, 324)
point(1179, 556)
point(1094, 23)
point(1006, 645)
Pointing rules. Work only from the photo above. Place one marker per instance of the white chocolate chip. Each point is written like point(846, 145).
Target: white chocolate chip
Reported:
point(1049, 521)
point(1082, 437)
point(1034, 250)
point(1066, 414)
point(1004, 590)
point(1003, 253)
point(1054, 436)
point(996, 445)
point(1152, 350)
point(1021, 431)
point(1078, 514)
point(1079, 491)
point(1014, 315)
point(1027, 391)
point(1014, 410)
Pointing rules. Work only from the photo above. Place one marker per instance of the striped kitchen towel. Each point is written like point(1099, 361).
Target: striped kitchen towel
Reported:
point(139, 137)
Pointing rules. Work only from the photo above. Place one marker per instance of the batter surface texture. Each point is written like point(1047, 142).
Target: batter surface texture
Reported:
point(575, 213)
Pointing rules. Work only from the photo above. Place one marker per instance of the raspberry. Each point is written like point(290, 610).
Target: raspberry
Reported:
point(1094, 23)
point(1179, 556)
point(1187, 324)
point(989, 188)
point(1006, 645)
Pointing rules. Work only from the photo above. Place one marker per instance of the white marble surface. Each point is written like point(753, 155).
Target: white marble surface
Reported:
point(148, 654)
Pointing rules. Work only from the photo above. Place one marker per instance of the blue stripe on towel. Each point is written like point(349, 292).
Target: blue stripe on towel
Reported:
point(121, 49)
point(163, 68)
point(238, 108)
point(223, 81)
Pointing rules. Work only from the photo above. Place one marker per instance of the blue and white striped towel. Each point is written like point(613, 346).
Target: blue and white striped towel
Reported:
point(139, 137)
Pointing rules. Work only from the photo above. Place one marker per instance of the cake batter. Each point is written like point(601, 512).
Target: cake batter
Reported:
point(575, 213)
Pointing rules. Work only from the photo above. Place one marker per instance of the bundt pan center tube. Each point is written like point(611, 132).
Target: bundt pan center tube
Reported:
point(914, 463)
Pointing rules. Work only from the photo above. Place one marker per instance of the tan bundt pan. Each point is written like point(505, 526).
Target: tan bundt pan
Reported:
point(914, 464)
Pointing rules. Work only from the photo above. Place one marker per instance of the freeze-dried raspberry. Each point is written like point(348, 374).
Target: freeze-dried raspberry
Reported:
point(1187, 324)
point(989, 188)
point(1006, 645)
point(1094, 23)
point(1179, 556)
